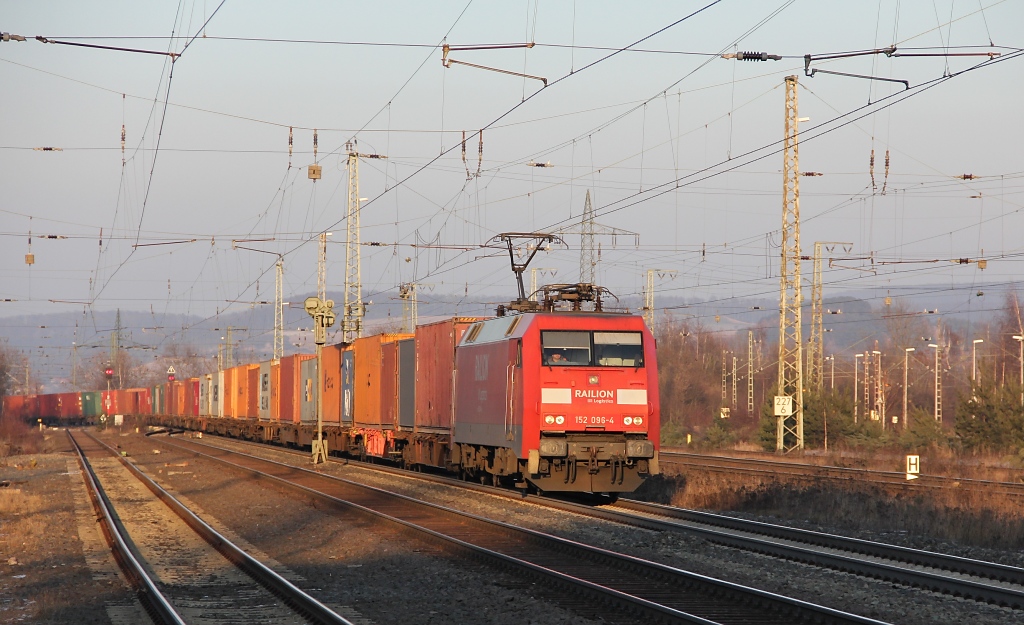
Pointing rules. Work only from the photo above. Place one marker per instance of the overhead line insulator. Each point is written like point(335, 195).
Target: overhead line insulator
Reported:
point(752, 56)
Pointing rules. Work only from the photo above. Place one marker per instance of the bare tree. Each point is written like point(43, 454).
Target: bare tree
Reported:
point(186, 360)
point(12, 369)
point(904, 326)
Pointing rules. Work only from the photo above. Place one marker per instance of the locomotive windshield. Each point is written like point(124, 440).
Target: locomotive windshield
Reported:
point(592, 349)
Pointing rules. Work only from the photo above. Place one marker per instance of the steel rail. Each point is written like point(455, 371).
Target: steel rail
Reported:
point(296, 598)
point(892, 478)
point(920, 557)
point(924, 579)
point(153, 601)
point(767, 604)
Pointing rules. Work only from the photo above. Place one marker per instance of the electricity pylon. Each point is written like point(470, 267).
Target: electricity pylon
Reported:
point(816, 346)
point(589, 230)
point(354, 309)
point(790, 428)
point(587, 262)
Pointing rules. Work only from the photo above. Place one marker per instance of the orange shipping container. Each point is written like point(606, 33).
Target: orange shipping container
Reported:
point(252, 403)
point(367, 380)
point(240, 388)
point(275, 391)
point(179, 391)
point(331, 383)
point(228, 392)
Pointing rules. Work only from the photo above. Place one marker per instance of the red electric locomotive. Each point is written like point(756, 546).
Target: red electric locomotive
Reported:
point(565, 400)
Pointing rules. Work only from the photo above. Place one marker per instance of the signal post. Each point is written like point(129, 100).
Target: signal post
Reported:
point(321, 310)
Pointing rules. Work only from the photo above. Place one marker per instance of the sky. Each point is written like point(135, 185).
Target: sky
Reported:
point(673, 142)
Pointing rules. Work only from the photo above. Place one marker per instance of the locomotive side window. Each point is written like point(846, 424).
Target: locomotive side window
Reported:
point(565, 348)
point(618, 349)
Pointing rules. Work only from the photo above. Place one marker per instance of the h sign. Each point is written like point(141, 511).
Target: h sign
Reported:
point(913, 467)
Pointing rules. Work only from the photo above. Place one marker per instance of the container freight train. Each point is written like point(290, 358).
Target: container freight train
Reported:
point(565, 401)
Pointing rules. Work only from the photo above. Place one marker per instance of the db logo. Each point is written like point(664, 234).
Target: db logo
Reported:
point(480, 368)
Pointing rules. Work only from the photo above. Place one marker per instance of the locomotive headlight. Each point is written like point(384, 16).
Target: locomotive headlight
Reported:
point(627, 421)
point(550, 420)
point(638, 420)
point(553, 447)
point(559, 419)
point(639, 449)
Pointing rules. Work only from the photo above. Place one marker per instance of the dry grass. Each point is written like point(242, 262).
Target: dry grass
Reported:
point(16, 437)
point(963, 516)
point(23, 533)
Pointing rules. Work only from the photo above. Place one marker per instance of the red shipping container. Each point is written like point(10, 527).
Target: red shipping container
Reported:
point(129, 402)
point(435, 366)
point(291, 387)
point(48, 406)
point(195, 382)
point(146, 401)
point(15, 406)
point(286, 390)
point(70, 405)
point(111, 405)
point(389, 386)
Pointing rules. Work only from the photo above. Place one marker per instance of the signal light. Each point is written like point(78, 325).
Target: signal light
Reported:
point(109, 372)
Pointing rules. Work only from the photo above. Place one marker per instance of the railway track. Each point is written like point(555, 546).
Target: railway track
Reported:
point(962, 577)
point(175, 583)
point(646, 590)
point(776, 468)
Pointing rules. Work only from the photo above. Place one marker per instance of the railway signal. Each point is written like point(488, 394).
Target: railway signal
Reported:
point(322, 312)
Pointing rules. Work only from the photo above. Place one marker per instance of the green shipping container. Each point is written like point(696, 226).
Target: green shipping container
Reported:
point(92, 404)
point(158, 400)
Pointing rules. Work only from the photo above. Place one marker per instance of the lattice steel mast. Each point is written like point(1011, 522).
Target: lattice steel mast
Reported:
point(649, 295)
point(354, 309)
point(790, 429)
point(279, 311)
point(587, 262)
point(816, 346)
point(410, 306)
point(750, 372)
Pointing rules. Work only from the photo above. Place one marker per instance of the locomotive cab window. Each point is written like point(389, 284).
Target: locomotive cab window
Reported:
point(618, 349)
point(565, 349)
